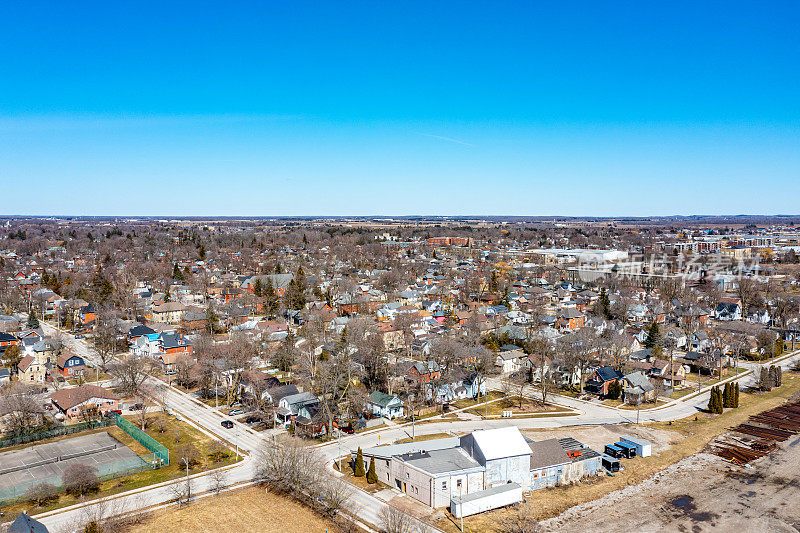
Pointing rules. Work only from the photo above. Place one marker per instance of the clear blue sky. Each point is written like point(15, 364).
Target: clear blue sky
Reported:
point(293, 108)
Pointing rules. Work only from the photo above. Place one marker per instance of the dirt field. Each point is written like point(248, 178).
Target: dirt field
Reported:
point(700, 493)
point(596, 437)
point(250, 511)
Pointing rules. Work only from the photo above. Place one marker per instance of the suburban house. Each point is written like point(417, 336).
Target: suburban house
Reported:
point(6, 340)
point(600, 379)
point(384, 405)
point(673, 374)
point(294, 405)
point(72, 402)
point(30, 370)
point(138, 331)
point(25, 524)
point(424, 371)
point(570, 319)
point(729, 309)
point(637, 388)
point(157, 344)
point(510, 359)
point(70, 364)
point(167, 312)
point(280, 282)
point(463, 384)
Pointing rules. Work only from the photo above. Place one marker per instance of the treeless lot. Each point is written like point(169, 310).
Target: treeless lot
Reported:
point(248, 511)
point(548, 503)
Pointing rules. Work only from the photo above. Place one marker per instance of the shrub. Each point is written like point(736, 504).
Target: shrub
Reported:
point(80, 479)
point(42, 493)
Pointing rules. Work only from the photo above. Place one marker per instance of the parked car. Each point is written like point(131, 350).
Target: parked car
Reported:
point(349, 430)
point(234, 412)
point(136, 407)
point(227, 424)
point(79, 336)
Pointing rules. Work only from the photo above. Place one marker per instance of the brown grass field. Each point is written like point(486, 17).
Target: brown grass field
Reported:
point(247, 511)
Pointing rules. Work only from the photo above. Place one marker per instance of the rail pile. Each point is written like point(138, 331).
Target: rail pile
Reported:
point(759, 436)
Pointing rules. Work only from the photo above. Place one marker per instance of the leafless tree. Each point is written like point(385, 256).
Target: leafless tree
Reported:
point(394, 520)
point(521, 520)
point(42, 493)
point(21, 410)
point(217, 481)
point(79, 479)
point(300, 471)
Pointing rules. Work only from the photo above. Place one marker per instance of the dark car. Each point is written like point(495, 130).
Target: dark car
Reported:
point(227, 424)
point(136, 407)
point(349, 430)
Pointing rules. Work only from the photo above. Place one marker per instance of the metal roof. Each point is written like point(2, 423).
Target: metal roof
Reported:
point(500, 442)
point(441, 461)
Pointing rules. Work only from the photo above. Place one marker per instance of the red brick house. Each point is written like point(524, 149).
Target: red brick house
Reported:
point(424, 372)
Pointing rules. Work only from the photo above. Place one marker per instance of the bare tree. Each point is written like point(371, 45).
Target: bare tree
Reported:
point(22, 412)
point(79, 479)
point(217, 481)
point(394, 520)
point(300, 471)
point(520, 521)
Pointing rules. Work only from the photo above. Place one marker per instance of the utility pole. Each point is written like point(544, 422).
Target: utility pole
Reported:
point(188, 486)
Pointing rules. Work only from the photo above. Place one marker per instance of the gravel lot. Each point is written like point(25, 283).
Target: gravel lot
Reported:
point(700, 493)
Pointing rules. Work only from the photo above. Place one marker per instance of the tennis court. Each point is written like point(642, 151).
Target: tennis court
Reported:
point(45, 463)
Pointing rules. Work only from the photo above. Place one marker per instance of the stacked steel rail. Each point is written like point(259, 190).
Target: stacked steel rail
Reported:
point(759, 436)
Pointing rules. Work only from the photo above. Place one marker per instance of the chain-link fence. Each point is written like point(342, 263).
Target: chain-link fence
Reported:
point(158, 449)
point(57, 431)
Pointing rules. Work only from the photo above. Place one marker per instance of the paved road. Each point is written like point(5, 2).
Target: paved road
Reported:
point(364, 505)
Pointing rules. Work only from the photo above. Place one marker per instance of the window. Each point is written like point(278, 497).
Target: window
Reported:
point(458, 483)
point(444, 485)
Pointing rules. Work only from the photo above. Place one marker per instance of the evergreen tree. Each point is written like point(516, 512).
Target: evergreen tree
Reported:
point(176, 273)
point(653, 338)
point(257, 290)
point(372, 477)
point(358, 469)
point(605, 304)
point(712, 400)
point(33, 322)
point(736, 396)
point(726, 396)
point(167, 296)
point(305, 239)
point(271, 297)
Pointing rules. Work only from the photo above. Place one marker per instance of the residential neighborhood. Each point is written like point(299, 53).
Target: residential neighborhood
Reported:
point(293, 338)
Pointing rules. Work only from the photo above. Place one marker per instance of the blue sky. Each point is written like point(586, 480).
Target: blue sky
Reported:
point(304, 108)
